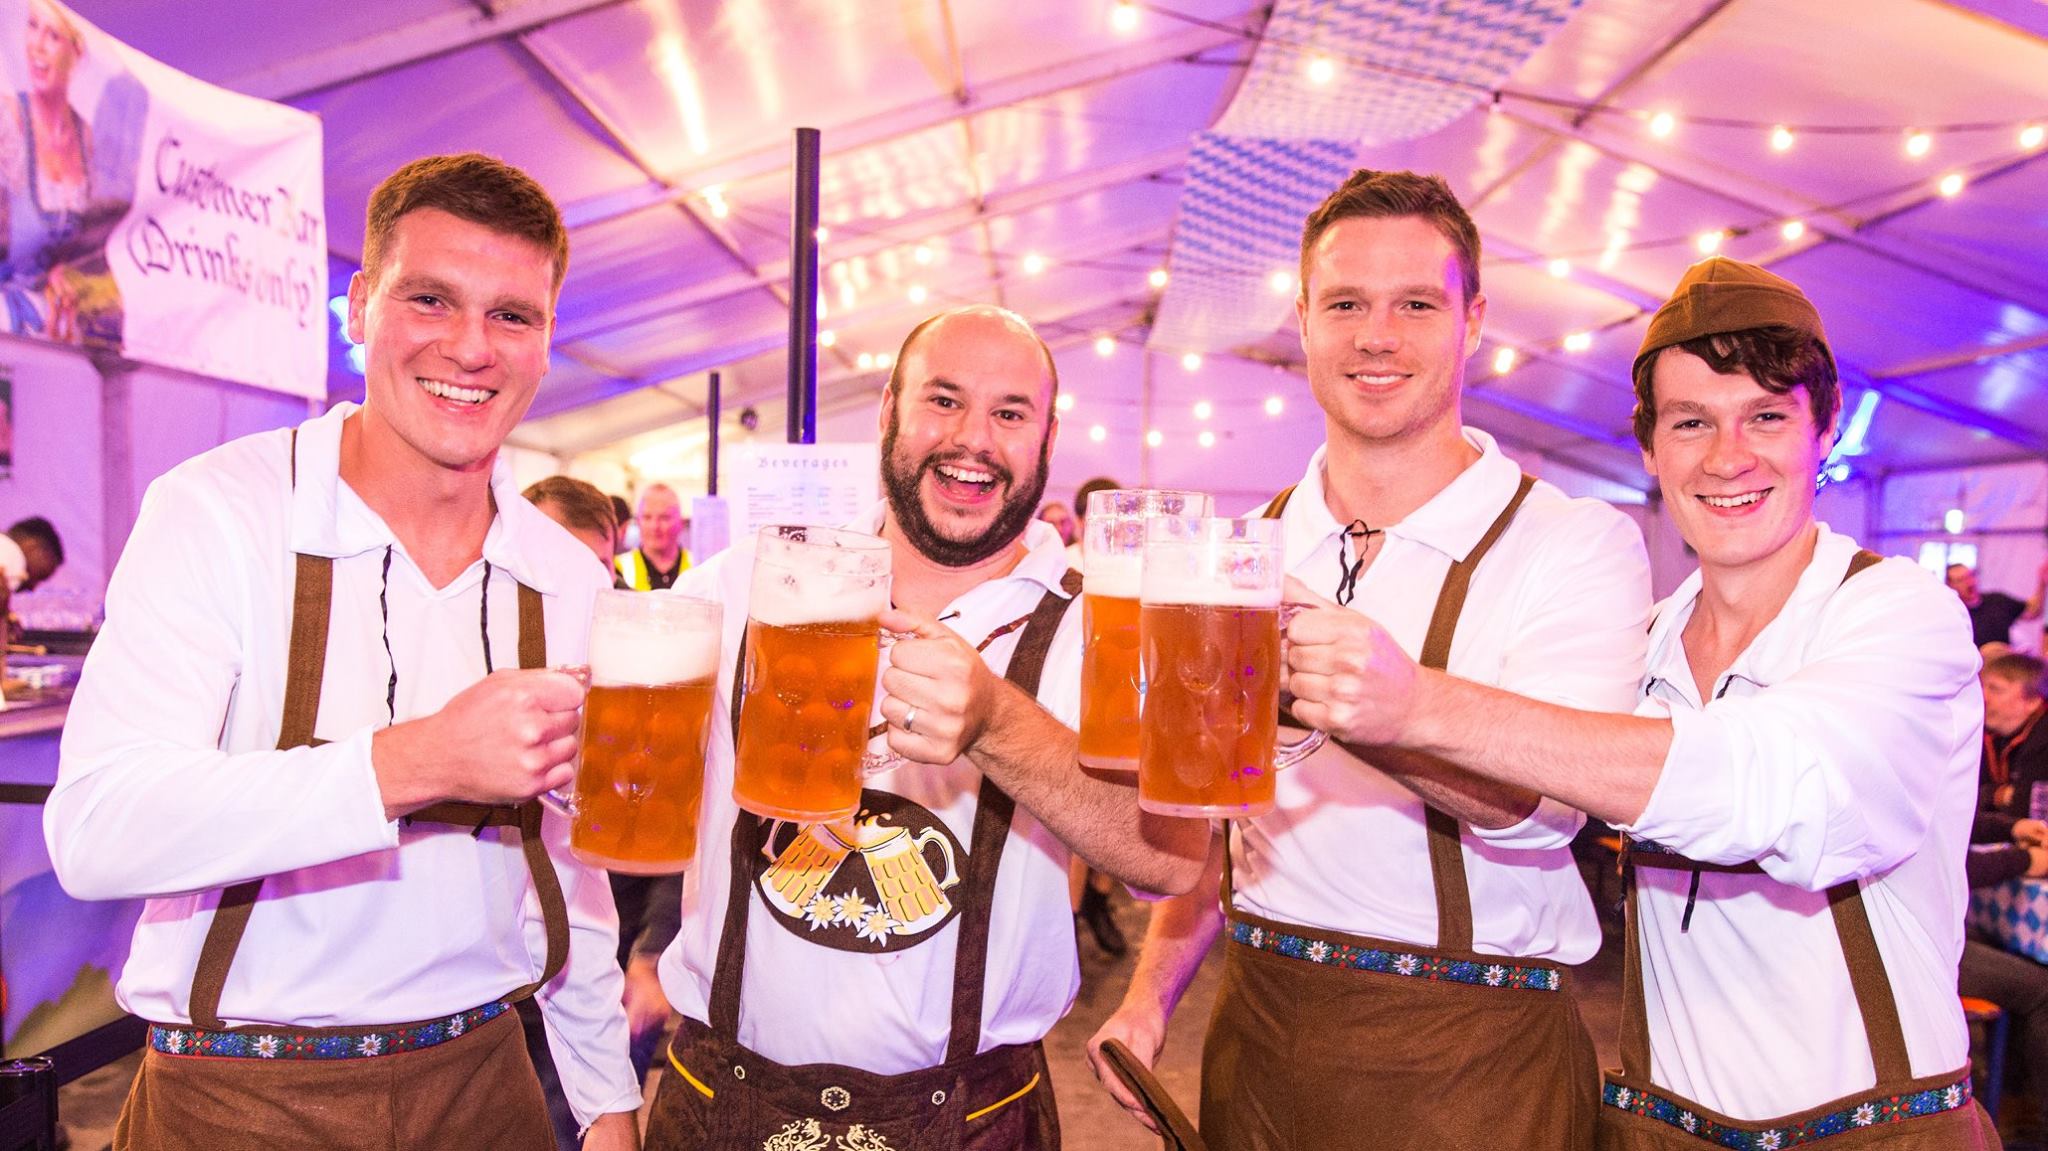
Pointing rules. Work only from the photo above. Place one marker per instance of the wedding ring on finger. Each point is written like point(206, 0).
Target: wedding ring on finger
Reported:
point(909, 719)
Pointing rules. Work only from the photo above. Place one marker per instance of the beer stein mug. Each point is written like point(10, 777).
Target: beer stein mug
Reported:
point(1209, 653)
point(912, 894)
point(799, 872)
point(640, 759)
point(808, 672)
point(1112, 556)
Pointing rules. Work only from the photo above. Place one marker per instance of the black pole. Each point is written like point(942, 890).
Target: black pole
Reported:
point(803, 292)
point(711, 421)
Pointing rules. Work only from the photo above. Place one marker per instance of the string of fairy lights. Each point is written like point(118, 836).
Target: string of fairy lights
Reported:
point(1322, 68)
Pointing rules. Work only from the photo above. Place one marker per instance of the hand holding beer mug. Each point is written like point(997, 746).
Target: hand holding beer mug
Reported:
point(1209, 634)
point(813, 644)
point(1113, 554)
point(640, 779)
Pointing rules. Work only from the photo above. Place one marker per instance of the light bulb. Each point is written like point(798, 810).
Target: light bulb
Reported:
point(1207, 439)
point(1578, 341)
point(1663, 124)
point(1065, 403)
point(1123, 16)
point(1918, 144)
point(1322, 70)
point(1781, 139)
point(1097, 433)
point(1504, 361)
point(1282, 283)
point(1105, 346)
point(1204, 409)
point(1951, 184)
point(1192, 361)
point(2032, 135)
point(827, 338)
point(1560, 267)
point(1274, 405)
point(917, 294)
point(1153, 439)
point(1793, 229)
point(1033, 263)
point(1710, 242)
point(1157, 278)
point(865, 361)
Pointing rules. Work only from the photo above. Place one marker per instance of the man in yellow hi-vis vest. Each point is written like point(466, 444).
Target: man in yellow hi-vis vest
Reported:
point(661, 557)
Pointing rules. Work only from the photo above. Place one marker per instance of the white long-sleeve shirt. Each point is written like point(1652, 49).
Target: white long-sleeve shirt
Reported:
point(170, 786)
point(1842, 744)
point(816, 989)
point(1556, 612)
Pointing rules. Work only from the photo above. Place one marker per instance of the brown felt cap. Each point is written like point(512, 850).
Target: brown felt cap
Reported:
point(1722, 295)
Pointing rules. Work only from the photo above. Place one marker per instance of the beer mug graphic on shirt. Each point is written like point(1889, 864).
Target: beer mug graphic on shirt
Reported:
point(799, 873)
point(911, 893)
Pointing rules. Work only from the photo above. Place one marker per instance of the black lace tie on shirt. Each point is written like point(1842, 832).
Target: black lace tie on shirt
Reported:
point(391, 684)
point(1356, 538)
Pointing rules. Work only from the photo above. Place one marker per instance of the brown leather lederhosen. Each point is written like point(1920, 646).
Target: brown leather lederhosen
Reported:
point(1305, 1053)
point(476, 1090)
point(1639, 1116)
point(728, 1097)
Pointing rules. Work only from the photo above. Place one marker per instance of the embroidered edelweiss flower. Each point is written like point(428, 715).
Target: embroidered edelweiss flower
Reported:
point(1952, 1097)
point(1407, 964)
point(875, 926)
point(1622, 1095)
point(821, 911)
point(1690, 1122)
point(852, 908)
point(266, 1046)
point(371, 1045)
point(1319, 952)
point(456, 1027)
point(176, 1041)
point(1865, 1115)
point(1770, 1141)
point(1496, 975)
point(1258, 937)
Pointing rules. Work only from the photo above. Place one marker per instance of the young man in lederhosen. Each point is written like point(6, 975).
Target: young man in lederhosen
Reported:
point(884, 982)
point(1396, 930)
point(1797, 782)
point(313, 728)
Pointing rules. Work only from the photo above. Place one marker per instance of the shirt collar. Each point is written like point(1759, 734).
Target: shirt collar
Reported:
point(1452, 522)
point(1824, 573)
point(521, 539)
point(1045, 556)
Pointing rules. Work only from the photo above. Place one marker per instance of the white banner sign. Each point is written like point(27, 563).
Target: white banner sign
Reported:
point(154, 216)
point(822, 484)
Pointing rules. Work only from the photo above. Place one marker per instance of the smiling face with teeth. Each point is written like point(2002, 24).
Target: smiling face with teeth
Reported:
point(1386, 326)
point(455, 327)
point(1736, 463)
point(967, 429)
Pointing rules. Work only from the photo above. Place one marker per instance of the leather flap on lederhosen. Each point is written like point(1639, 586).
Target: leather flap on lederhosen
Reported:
point(1173, 1123)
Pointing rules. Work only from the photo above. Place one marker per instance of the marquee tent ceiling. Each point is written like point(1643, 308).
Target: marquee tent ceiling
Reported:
point(966, 141)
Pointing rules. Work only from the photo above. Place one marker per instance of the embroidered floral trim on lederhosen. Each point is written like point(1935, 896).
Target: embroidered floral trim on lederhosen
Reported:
point(305, 668)
point(1896, 1097)
point(1452, 960)
point(320, 1043)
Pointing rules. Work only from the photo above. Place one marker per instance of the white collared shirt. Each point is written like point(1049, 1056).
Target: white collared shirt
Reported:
point(1842, 744)
point(13, 563)
point(1556, 612)
point(806, 1002)
point(170, 785)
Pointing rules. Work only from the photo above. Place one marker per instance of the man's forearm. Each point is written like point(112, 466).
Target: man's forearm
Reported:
point(1470, 797)
point(1604, 765)
point(1031, 756)
point(1178, 937)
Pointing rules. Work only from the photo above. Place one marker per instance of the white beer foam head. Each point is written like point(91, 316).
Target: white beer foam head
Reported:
point(1118, 576)
point(1209, 593)
point(796, 583)
point(1211, 573)
point(626, 650)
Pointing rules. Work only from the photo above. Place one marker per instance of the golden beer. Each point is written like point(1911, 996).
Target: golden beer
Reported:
point(640, 753)
point(641, 777)
point(804, 726)
point(1109, 682)
point(808, 672)
point(1112, 553)
point(1212, 702)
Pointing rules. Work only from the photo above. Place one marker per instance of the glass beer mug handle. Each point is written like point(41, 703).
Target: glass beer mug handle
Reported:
point(1286, 755)
point(562, 799)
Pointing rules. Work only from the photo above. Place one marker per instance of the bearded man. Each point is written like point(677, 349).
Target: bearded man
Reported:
point(885, 981)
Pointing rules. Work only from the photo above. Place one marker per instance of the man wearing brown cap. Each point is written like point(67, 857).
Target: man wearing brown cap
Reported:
point(1796, 783)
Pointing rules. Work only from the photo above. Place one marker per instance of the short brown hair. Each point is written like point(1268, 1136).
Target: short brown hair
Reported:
point(1375, 195)
point(2023, 669)
point(583, 506)
point(1777, 358)
point(470, 186)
